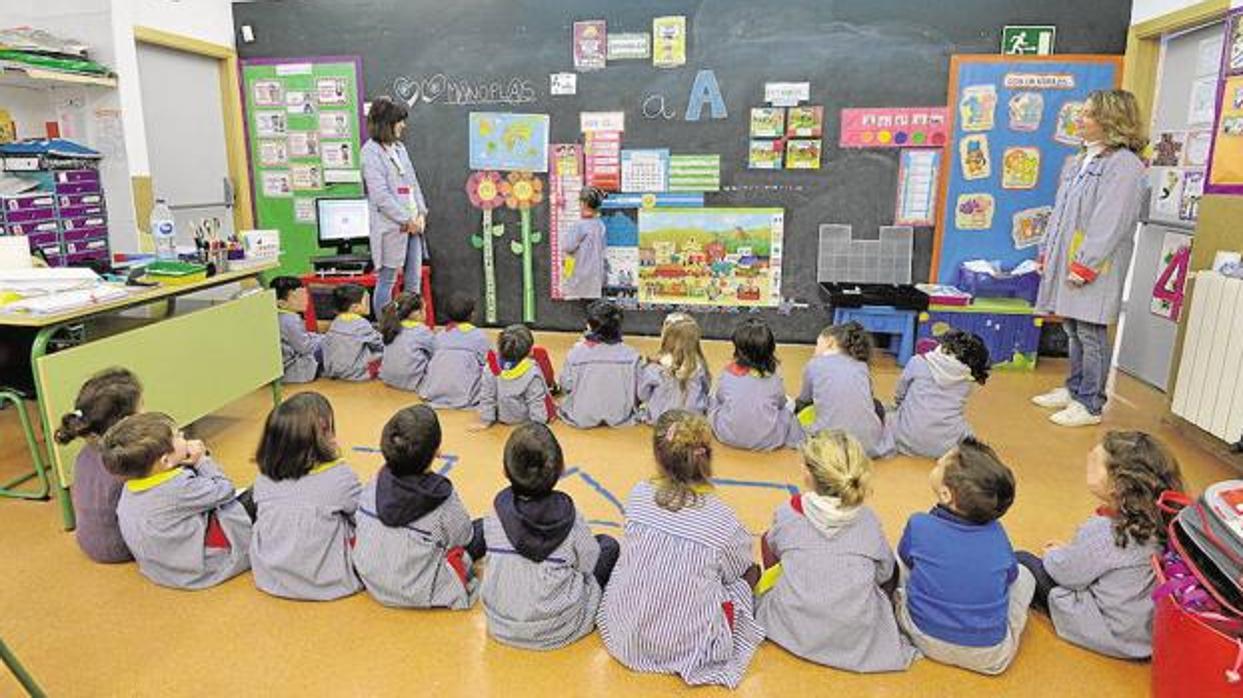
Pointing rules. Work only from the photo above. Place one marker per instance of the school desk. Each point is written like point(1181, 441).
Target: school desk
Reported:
point(190, 364)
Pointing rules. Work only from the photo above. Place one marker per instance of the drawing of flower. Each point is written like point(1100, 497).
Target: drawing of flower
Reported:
point(522, 190)
point(484, 190)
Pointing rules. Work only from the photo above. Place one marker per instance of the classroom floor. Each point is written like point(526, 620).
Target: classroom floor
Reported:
point(89, 630)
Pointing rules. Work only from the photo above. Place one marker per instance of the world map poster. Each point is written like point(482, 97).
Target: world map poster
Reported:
point(711, 256)
point(503, 141)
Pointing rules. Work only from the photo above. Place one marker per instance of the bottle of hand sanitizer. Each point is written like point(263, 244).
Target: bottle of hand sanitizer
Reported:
point(164, 231)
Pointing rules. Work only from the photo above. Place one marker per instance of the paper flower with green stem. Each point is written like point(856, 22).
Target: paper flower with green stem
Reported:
point(484, 191)
point(523, 190)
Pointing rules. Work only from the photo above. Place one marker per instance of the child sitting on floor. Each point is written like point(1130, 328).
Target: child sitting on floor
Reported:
point(837, 389)
point(601, 373)
point(830, 570)
point(179, 514)
point(408, 343)
point(1098, 588)
point(964, 599)
point(677, 377)
point(513, 386)
point(306, 496)
point(415, 542)
point(931, 397)
point(352, 347)
point(545, 568)
point(459, 353)
point(749, 408)
point(301, 353)
point(680, 600)
point(105, 399)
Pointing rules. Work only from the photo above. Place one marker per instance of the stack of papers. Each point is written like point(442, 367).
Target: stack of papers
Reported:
point(53, 303)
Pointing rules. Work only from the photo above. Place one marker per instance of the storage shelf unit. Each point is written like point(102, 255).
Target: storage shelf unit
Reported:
point(69, 225)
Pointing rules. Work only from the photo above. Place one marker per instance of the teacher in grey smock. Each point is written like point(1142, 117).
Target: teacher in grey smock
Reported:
point(1087, 250)
point(398, 210)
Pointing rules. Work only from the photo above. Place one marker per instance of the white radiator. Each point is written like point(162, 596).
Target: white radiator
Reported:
point(1209, 389)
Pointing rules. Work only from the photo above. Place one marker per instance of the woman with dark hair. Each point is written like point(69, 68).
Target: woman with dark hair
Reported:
point(398, 210)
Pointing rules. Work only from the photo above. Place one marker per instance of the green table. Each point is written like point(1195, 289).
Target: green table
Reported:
point(190, 364)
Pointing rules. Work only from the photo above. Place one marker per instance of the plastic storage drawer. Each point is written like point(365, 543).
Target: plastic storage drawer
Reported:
point(1009, 327)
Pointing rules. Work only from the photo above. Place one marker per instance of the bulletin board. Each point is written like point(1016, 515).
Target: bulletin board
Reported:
point(303, 136)
point(1225, 166)
point(1012, 129)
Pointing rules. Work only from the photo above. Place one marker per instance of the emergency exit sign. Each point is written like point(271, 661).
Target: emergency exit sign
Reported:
point(1028, 40)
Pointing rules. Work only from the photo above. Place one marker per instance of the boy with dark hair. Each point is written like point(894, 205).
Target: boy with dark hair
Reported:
point(964, 597)
point(301, 353)
point(415, 542)
point(513, 387)
point(459, 355)
point(352, 346)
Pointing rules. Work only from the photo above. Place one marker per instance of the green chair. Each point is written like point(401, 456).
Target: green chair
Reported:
point(23, 677)
point(9, 489)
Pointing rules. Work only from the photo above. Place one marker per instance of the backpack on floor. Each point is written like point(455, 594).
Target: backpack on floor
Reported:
point(1196, 648)
point(1208, 534)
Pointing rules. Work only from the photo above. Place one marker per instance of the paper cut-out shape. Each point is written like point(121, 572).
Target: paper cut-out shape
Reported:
point(978, 107)
point(1068, 124)
point(522, 190)
point(975, 158)
point(706, 90)
point(1029, 226)
point(1193, 190)
point(805, 122)
point(484, 191)
point(767, 122)
point(1168, 291)
point(1026, 111)
point(803, 154)
point(974, 211)
point(1020, 168)
point(1167, 193)
point(886, 260)
point(1167, 150)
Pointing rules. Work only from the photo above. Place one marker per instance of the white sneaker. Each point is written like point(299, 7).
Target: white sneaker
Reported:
point(1075, 415)
point(1058, 398)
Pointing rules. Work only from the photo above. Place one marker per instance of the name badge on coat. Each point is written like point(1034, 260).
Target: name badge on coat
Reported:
point(406, 193)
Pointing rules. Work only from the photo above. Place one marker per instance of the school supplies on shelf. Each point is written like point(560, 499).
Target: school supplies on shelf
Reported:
point(984, 279)
point(175, 273)
point(941, 294)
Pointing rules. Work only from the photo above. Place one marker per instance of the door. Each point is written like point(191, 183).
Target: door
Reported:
point(1189, 65)
point(186, 144)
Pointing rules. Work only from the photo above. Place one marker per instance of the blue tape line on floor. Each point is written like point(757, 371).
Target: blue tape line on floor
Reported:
point(604, 492)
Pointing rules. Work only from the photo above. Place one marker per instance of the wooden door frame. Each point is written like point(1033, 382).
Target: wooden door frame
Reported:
point(1143, 48)
point(231, 108)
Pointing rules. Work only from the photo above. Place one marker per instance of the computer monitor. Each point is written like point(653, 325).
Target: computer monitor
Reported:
point(342, 222)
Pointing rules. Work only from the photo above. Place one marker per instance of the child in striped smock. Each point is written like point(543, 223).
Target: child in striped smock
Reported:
point(545, 569)
point(459, 353)
point(677, 377)
point(408, 343)
point(178, 513)
point(105, 399)
point(680, 599)
point(1098, 588)
point(749, 407)
point(301, 354)
point(513, 386)
point(963, 598)
point(601, 373)
point(352, 347)
point(825, 595)
point(931, 397)
point(837, 389)
point(415, 540)
point(306, 496)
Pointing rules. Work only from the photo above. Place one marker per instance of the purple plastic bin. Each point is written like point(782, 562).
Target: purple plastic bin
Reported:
point(30, 215)
point(67, 200)
point(39, 239)
point(86, 234)
point(984, 285)
point(22, 202)
point(48, 226)
point(80, 223)
point(76, 187)
point(77, 176)
point(81, 211)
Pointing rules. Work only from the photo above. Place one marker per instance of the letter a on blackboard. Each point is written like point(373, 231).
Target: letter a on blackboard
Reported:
point(704, 90)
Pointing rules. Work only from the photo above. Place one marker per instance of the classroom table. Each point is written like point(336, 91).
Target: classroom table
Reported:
point(223, 369)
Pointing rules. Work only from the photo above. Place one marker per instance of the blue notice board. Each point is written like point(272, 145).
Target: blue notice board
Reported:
point(1013, 126)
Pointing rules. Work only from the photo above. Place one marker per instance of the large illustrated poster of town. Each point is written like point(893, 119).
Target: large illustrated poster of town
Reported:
point(711, 256)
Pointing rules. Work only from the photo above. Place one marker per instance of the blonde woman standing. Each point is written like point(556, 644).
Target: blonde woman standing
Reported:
point(1087, 249)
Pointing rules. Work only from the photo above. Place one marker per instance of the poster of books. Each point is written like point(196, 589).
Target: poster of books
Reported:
point(711, 256)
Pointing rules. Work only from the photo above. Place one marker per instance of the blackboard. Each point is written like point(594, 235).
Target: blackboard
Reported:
point(855, 53)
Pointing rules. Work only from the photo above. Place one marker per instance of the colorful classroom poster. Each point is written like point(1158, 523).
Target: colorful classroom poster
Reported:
point(620, 213)
point(805, 122)
point(1167, 193)
point(565, 180)
point(1168, 290)
point(644, 171)
point(803, 154)
point(711, 256)
point(694, 173)
point(289, 104)
point(602, 159)
point(505, 141)
point(629, 46)
point(1234, 43)
point(590, 45)
point(668, 41)
point(767, 122)
point(1027, 108)
point(1225, 167)
point(764, 155)
point(1168, 148)
point(917, 187)
point(974, 157)
point(904, 127)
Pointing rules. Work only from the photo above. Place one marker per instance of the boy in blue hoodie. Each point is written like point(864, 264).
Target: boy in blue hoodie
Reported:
point(964, 597)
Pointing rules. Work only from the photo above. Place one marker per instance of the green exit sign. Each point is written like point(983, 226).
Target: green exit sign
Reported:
point(1028, 40)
